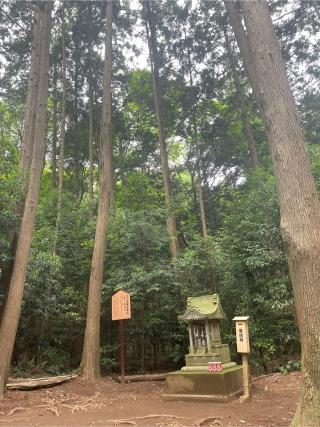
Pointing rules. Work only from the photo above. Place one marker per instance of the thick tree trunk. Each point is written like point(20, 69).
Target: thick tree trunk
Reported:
point(12, 309)
point(27, 144)
point(252, 146)
point(90, 364)
point(62, 134)
point(153, 53)
point(90, 174)
point(242, 40)
point(297, 194)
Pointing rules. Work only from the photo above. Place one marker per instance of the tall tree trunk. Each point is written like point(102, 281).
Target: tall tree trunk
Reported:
point(12, 309)
point(252, 146)
point(199, 190)
point(297, 194)
point(154, 60)
point(62, 133)
point(242, 40)
point(77, 166)
point(27, 143)
point(121, 162)
point(54, 130)
point(90, 364)
point(90, 175)
point(202, 207)
point(31, 103)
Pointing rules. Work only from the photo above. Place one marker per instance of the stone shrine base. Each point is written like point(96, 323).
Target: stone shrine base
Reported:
point(200, 385)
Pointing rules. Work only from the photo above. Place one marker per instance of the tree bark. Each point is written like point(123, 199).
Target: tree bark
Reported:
point(242, 40)
point(194, 132)
point(153, 53)
point(62, 134)
point(252, 146)
point(202, 208)
point(12, 309)
point(27, 144)
point(54, 130)
point(90, 175)
point(90, 364)
point(31, 103)
point(78, 190)
point(297, 194)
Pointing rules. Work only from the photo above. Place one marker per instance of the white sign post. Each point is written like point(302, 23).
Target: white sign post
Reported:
point(243, 347)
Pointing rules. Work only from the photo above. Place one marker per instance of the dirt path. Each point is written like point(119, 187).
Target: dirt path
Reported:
point(80, 403)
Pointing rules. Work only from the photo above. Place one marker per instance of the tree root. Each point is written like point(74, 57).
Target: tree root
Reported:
point(130, 421)
point(53, 409)
point(214, 420)
point(17, 409)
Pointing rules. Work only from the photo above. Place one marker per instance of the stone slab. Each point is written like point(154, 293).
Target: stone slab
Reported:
point(221, 386)
point(201, 397)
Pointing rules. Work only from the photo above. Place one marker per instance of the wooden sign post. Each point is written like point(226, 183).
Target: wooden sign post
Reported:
point(121, 310)
point(243, 347)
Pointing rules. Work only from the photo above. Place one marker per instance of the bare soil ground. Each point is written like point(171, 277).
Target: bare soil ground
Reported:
point(80, 403)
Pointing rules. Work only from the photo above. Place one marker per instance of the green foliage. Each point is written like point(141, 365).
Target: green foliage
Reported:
point(290, 366)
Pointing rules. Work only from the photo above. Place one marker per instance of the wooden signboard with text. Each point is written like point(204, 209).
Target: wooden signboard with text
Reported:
point(121, 310)
point(121, 306)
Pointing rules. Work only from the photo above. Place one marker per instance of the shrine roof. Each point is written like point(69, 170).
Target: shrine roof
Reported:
point(203, 307)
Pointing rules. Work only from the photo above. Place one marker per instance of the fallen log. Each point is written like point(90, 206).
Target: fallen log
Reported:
point(145, 377)
point(32, 383)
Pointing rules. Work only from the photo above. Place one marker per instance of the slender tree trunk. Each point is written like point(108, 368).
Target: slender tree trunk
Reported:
point(153, 53)
point(252, 146)
point(12, 309)
point(297, 194)
point(199, 191)
point(90, 175)
point(121, 163)
point(202, 208)
point(31, 103)
point(62, 134)
point(54, 130)
point(90, 364)
point(77, 165)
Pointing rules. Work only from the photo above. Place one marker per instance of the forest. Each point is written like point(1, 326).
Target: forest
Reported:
point(171, 149)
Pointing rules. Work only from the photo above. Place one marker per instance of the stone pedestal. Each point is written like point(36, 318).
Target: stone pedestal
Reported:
point(204, 385)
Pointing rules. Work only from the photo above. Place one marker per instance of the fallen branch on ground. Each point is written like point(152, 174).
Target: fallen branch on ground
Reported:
point(32, 383)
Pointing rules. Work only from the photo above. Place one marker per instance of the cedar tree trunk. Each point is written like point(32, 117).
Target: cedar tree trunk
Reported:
point(90, 175)
point(297, 194)
point(154, 60)
point(90, 364)
point(62, 134)
point(12, 309)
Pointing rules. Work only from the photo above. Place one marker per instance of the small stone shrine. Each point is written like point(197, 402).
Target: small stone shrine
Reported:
point(195, 381)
